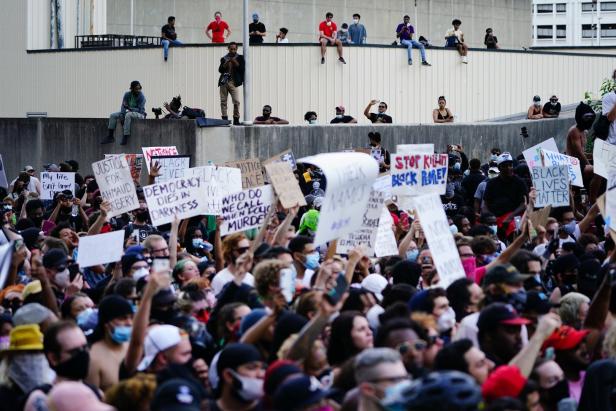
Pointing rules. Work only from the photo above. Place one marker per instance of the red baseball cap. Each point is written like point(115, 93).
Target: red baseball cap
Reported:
point(505, 381)
point(565, 338)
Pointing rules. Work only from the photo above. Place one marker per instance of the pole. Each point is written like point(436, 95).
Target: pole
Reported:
point(132, 15)
point(248, 66)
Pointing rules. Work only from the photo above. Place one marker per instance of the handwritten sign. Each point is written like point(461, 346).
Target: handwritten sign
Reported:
point(116, 184)
point(100, 249)
point(216, 182)
point(52, 183)
point(533, 155)
point(443, 247)
point(252, 172)
point(415, 148)
point(366, 235)
point(418, 174)
point(3, 181)
point(181, 197)
point(286, 156)
point(135, 163)
point(551, 158)
point(540, 217)
point(285, 184)
point(552, 184)
point(604, 157)
point(149, 152)
point(171, 166)
point(385, 243)
point(246, 209)
point(349, 181)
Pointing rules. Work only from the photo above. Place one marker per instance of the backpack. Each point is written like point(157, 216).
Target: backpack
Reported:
point(192, 113)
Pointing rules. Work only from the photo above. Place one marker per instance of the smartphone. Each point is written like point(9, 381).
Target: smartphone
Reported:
point(338, 291)
point(518, 222)
point(135, 235)
point(73, 270)
point(549, 353)
point(160, 264)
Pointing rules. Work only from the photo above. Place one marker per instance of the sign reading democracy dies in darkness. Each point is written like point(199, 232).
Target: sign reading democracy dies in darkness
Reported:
point(246, 209)
point(181, 197)
point(417, 174)
point(52, 182)
point(116, 185)
point(552, 184)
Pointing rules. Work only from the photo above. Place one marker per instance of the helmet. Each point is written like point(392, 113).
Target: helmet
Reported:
point(444, 391)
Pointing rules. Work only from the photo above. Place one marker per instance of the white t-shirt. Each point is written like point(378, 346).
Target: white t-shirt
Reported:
point(224, 276)
point(609, 100)
point(284, 40)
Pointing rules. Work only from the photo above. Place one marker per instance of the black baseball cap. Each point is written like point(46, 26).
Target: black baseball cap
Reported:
point(499, 314)
point(176, 394)
point(504, 273)
point(234, 355)
point(298, 393)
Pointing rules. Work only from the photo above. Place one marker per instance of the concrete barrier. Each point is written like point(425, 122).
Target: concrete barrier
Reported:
point(51, 140)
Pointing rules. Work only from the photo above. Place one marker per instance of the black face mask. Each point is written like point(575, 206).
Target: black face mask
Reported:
point(75, 368)
point(551, 396)
point(38, 221)
point(142, 215)
point(163, 316)
point(569, 279)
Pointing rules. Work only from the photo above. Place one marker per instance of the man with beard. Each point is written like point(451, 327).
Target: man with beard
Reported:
point(499, 336)
point(409, 339)
point(267, 117)
point(140, 228)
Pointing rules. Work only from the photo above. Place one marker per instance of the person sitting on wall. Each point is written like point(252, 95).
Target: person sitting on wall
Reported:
point(311, 117)
point(442, 114)
point(551, 109)
point(281, 37)
point(267, 117)
point(169, 36)
point(341, 118)
point(535, 111)
point(455, 38)
point(379, 117)
point(133, 107)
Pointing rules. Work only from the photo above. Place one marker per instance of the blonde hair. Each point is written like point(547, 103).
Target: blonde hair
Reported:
point(229, 244)
point(133, 394)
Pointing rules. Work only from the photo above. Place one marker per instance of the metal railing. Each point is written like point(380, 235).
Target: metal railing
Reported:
point(115, 41)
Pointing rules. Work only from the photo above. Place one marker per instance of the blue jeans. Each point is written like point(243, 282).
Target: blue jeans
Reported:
point(409, 47)
point(127, 118)
point(166, 43)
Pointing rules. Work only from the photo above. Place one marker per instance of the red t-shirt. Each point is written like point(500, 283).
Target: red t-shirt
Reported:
point(328, 31)
point(218, 30)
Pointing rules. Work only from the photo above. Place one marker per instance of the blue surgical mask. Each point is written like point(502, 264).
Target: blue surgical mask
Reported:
point(394, 399)
point(456, 167)
point(494, 229)
point(197, 242)
point(121, 333)
point(411, 255)
point(82, 317)
point(312, 261)
point(570, 227)
point(454, 229)
point(493, 157)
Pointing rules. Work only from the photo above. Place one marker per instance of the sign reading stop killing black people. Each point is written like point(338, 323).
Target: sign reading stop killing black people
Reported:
point(181, 197)
point(552, 184)
point(113, 175)
point(246, 209)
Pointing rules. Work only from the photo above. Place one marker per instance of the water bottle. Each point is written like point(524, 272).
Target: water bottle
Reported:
point(74, 210)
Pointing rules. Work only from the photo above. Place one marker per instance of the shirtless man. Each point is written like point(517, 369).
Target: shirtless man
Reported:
point(576, 138)
point(112, 334)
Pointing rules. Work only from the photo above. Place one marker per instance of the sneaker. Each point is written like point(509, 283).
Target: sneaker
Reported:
point(165, 58)
point(342, 60)
point(425, 63)
point(124, 140)
point(236, 121)
point(410, 62)
point(322, 60)
point(464, 60)
point(108, 140)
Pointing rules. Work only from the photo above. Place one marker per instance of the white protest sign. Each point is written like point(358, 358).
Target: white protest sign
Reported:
point(116, 185)
point(246, 209)
point(149, 152)
point(385, 243)
point(3, 181)
point(171, 166)
point(100, 249)
point(6, 256)
point(52, 182)
point(366, 235)
point(610, 200)
point(349, 180)
point(552, 184)
point(216, 182)
point(440, 240)
point(181, 197)
point(418, 174)
point(604, 157)
point(533, 155)
point(551, 158)
point(415, 148)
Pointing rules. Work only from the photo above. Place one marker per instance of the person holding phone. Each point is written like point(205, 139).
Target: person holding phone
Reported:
point(405, 32)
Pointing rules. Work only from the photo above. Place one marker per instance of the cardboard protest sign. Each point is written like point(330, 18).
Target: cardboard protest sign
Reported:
point(287, 156)
point(608, 220)
point(442, 245)
point(149, 152)
point(52, 182)
point(604, 157)
point(366, 235)
point(3, 181)
point(533, 155)
point(100, 249)
point(418, 174)
point(552, 184)
point(540, 217)
point(246, 209)
point(285, 184)
point(181, 197)
point(349, 181)
point(116, 184)
point(551, 158)
point(171, 166)
point(135, 163)
point(252, 172)
point(216, 182)
point(385, 243)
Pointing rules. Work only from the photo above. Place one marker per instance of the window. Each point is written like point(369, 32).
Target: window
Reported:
point(589, 31)
point(545, 32)
point(608, 30)
point(561, 7)
point(588, 7)
point(544, 8)
point(608, 6)
point(561, 31)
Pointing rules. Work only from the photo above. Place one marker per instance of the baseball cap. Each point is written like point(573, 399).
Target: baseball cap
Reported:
point(505, 381)
point(234, 355)
point(504, 157)
point(504, 273)
point(54, 258)
point(538, 302)
point(276, 373)
point(298, 393)
point(375, 283)
point(31, 313)
point(499, 314)
point(536, 98)
point(29, 168)
point(565, 338)
point(33, 287)
point(158, 339)
point(176, 394)
point(493, 170)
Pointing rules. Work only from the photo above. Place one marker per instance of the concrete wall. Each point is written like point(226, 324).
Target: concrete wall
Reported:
point(510, 19)
point(41, 141)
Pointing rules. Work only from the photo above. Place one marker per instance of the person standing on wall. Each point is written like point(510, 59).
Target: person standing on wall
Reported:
point(327, 36)
point(218, 27)
point(231, 71)
point(133, 107)
point(169, 36)
point(256, 30)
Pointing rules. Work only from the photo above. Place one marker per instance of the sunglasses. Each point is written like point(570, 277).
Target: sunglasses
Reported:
point(242, 250)
point(417, 345)
point(382, 107)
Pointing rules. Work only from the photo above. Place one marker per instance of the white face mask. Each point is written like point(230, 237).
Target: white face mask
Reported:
point(356, 21)
point(312, 121)
point(140, 273)
point(537, 104)
point(62, 279)
point(252, 388)
point(446, 321)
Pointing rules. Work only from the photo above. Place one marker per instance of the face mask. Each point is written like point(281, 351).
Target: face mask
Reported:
point(62, 279)
point(5, 342)
point(517, 300)
point(287, 282)
point(537, 104)
point(553, 103)
point(312, 121)
point(355, 21)
point(251, 388)
point(454, 229)
point(121, 333)
point(493, 157)
point(75, 368)
point(494, 229)
point(570, 227)
point(312, 261)
point(457, 166)
point(411, 255)
point(82, 317)
point(446, 321)
point(217, 18)
point(255, 20)
point(163, 316)
point(338, 115)
point(552, 396)
point(197, 242)
point(140, 273)
point(394, 396)
point(344, 30)
point(487, 258)
point(470, 265)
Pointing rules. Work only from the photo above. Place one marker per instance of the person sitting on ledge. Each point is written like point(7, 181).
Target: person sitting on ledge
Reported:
point(267, 118)
point(379, 117)
point(442, 114)
point(535, 112)
point(133, 107)
point(311, 117)
point(341, 118)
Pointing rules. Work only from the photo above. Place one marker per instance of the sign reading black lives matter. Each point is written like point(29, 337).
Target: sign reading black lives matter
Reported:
point(113, 175)
point(246, 209)
point(181, 197)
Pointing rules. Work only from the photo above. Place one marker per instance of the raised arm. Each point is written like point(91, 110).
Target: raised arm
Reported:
point(525, 360)
point(102, 218)
point(281, 231)
point(218, 257)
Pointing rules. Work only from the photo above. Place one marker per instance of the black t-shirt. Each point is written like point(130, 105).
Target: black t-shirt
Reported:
point(169, 32)
point(380, 118)
point(343, 119)
point(144, 231)
point(551, 110)
point(503, 195)
point(263, 118)
point(260, 27)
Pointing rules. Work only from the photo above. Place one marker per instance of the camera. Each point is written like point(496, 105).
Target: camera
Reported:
point(157, 111)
